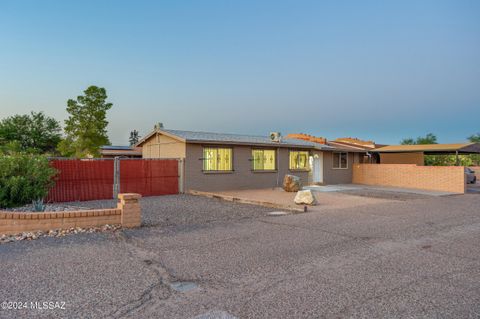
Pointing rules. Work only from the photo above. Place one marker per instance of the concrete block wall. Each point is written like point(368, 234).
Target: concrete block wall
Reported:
point(434, 178)
point(127, 213)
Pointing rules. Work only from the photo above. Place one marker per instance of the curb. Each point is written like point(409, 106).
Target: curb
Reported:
point(245, 201)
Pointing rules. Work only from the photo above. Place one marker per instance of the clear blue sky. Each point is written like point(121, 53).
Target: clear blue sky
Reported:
point(380, 70)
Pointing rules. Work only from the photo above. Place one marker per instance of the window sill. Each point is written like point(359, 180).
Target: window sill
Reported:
point(264, 171)
point(299, 170)
point(218, 172)
point(339, 167)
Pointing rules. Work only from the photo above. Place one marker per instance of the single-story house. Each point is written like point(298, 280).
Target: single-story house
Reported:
point(112, 151)
point(217, 161)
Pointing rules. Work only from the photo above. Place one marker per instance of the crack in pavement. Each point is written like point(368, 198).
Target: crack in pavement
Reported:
point(158, 291)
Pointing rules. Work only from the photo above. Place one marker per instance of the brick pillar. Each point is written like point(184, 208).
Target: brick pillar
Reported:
point(131, 212)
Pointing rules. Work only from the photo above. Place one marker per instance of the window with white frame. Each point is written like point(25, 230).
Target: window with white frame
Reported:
point(340, 160)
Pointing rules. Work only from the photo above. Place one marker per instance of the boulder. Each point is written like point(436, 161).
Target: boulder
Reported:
point(292, 183)
point(305, 197)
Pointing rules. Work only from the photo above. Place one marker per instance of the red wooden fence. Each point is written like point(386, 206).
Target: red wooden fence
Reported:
point(80, 180)
point(149, 177)
point(91, 179)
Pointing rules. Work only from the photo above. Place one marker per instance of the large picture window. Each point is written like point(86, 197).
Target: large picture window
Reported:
point(264, 160)
point(298, 160)
point(217, 159)
point(340, 160)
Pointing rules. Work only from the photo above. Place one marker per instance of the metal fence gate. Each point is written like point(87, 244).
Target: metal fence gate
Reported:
point(90, 179)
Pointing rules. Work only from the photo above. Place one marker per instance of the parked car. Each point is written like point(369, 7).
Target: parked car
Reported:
point(471, 178)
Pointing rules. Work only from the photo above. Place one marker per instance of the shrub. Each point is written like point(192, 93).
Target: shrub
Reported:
point(24, 178)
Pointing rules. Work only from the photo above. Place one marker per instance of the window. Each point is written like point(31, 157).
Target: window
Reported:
point(340, 160)
point(264, 160)
point(298, 160)
point(217, 159)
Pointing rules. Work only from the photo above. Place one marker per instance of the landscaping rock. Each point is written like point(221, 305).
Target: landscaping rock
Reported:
point(57, 233)
point(292, 183)
point(305, 197)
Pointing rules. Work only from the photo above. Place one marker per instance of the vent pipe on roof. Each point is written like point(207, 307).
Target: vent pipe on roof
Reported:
point(158, 126)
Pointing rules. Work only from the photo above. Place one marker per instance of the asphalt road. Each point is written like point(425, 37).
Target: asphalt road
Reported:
point(417, 258)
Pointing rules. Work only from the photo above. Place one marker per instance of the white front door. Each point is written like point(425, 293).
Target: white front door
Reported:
point(318, 168)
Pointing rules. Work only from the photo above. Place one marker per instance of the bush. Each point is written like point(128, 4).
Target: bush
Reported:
point(24, 178)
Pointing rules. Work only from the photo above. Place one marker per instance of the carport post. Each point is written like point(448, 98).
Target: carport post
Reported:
point(456, 158)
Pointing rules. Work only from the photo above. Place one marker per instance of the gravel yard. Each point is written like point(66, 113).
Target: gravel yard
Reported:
point(176, 210)
point(205, 258)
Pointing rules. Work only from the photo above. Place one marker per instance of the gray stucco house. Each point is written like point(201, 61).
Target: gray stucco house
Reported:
point(216, 161)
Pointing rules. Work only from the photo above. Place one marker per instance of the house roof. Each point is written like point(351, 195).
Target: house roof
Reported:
point(238, 139)
point(431, 148)
point(116, 150)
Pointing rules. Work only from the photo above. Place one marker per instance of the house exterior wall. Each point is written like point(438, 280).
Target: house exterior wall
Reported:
point(416, 158)
point(161, 146)
point(242, 177)
point(337, 175)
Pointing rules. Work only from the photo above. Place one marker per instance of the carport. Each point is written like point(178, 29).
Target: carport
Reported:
point(414, 154)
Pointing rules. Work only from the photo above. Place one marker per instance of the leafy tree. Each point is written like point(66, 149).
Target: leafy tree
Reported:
point(408, 141)
point(134, 137)
point(475, 138)
point(85, 129)
point(430, 138)
point(34, 133)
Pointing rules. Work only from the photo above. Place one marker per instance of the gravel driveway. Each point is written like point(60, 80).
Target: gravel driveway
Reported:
point(202, 257)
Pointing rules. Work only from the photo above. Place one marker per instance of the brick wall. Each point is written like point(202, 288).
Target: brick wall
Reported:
point(435, 178)
point(127, 214)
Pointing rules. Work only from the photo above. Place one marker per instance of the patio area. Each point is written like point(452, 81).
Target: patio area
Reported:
point(328, 197)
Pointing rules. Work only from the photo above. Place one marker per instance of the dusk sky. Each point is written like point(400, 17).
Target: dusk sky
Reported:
point(380, 70)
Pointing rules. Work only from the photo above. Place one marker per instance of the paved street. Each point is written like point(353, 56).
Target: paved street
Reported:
point(204, 258)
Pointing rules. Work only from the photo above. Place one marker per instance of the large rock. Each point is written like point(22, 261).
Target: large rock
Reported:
point(292, 183)
point(305, 197)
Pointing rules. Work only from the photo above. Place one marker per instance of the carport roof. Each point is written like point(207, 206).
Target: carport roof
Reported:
point(465, 148)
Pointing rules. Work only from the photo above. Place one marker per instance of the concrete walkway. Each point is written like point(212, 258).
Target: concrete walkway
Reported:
point(346, 187)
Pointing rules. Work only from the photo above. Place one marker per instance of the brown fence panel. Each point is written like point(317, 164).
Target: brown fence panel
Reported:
point(149, 177)
point(81, 180)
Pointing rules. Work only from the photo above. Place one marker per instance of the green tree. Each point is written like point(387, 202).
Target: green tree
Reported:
point(134, 137)
point(430, 138)
point(86, 127)
point(475, 138)
point(33, 133)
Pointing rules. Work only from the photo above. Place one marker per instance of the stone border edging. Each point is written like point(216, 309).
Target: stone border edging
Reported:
point(245, 201)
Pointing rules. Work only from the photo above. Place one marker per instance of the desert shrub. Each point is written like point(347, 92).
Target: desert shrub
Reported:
point(24, 178)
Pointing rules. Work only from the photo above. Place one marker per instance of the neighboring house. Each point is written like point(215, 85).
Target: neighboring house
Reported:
point(110, 151)
point(215, 161)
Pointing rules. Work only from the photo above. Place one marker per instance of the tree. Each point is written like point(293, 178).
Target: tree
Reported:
point(85, 129)
point(134, 137)
point(430, 138)
point(33, 133)
point(475, 138)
